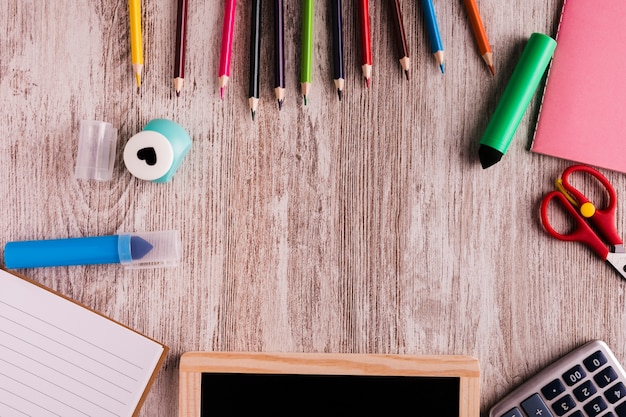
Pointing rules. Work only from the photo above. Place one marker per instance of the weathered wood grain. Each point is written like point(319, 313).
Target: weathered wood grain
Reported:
point(362, 226)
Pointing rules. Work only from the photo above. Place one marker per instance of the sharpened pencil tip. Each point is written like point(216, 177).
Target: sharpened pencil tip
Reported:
point(304, 100)
point(493, 71)
point(367, 82)
point(442, 68)
point(406, 74)
point(221, 93)
point(280, 105)
point(178, 93)
point(252, 113)
point(339, 94)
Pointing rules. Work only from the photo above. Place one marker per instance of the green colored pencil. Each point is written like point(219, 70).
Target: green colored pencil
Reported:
point(306, 61)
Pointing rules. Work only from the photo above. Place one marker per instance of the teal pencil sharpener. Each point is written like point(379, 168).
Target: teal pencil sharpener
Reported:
point(155, 153)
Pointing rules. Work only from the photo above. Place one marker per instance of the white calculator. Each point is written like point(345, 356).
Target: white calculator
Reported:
point(587, 382)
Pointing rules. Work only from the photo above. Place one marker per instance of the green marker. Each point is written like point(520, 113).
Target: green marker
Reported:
point(306, 61)
point(515, 99)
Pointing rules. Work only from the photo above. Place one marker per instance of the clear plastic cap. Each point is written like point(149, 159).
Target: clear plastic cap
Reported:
point(96, 150)
point(141, 250)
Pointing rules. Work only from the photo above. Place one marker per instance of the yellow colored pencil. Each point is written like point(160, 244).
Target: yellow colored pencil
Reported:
point(136, 42)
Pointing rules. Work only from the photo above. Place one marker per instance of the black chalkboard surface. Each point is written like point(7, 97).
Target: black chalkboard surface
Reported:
point(327, 384)
point(330, 395)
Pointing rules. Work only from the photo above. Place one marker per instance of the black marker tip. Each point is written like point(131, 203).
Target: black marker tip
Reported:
point(488, 156)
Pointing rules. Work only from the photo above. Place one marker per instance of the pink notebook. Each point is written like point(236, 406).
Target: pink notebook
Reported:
point(583, 114)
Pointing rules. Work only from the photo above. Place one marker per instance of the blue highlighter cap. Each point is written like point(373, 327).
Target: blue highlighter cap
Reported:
point(149, 249)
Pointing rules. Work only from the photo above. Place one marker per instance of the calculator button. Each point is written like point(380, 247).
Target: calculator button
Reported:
point(621, 410)
point(513, 413)
point(563, 405)
point(535, 407)
point(609, 415)
point(615, 393)
point(574, 375)
point(577, 414)
point(605, 377)
point(553, 389)
point(595, 407)
point(585, 391)
point(595, 361)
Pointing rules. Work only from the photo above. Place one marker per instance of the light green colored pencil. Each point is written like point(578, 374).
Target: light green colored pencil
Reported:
point(306, 60)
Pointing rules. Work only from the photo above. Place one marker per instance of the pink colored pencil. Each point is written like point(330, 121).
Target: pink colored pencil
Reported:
point(227, 44)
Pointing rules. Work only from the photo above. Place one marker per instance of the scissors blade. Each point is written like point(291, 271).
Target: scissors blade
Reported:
point(618, 261)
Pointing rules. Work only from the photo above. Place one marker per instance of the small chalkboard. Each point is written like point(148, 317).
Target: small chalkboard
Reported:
point(327, 384)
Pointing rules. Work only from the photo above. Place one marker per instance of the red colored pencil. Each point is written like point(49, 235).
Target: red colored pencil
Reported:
point(366, 48)
point(227, 44)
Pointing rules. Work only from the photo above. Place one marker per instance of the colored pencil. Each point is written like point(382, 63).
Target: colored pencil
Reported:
point(255, 51)
point(479, 33)
point(398, 26)
point(337, 34)
point(306, 59)
point(364, 32)
point(136, 41)
point(181, 35)
point(227, 44)
point(436, 46)
point(279, 53)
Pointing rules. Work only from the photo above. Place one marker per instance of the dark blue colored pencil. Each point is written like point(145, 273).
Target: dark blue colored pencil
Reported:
point(279, 53)
point(337, 34)
point(255, 52)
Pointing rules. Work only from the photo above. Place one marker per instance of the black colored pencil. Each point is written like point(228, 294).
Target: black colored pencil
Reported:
point(279, 51)
point(255, 51)
point(337, 33)
point(398, 25)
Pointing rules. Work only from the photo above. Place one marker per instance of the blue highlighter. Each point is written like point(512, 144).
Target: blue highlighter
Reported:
point(136, 250)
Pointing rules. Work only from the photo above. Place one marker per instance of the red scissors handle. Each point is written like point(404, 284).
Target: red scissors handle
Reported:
point(582, 233)
point(603, 218)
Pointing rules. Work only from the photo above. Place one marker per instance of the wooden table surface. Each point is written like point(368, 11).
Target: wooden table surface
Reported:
point(365, 226)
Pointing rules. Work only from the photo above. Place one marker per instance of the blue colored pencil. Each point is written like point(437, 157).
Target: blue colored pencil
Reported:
point(436, 46)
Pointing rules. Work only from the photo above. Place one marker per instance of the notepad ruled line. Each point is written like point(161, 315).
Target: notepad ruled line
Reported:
point(66, 346)
point(60, 387)
point(71, 377)
point(44, 394)
point(73, 335)
point(13, 408)
point(62, 359)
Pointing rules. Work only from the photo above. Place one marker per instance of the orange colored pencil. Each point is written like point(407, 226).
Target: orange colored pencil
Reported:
point(479, 33)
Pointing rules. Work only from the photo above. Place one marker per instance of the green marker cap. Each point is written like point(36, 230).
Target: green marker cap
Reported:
point(516, 97)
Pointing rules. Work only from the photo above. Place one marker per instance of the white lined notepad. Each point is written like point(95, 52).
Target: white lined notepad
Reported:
point(58, 358)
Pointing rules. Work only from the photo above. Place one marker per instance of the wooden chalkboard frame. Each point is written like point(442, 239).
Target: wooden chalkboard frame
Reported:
point(193, 364)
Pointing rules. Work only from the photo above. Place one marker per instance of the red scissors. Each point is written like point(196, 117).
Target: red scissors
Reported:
point(585, 213)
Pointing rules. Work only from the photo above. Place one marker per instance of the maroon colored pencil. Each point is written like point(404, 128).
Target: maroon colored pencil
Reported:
point(181, 35)
point(398, 25)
